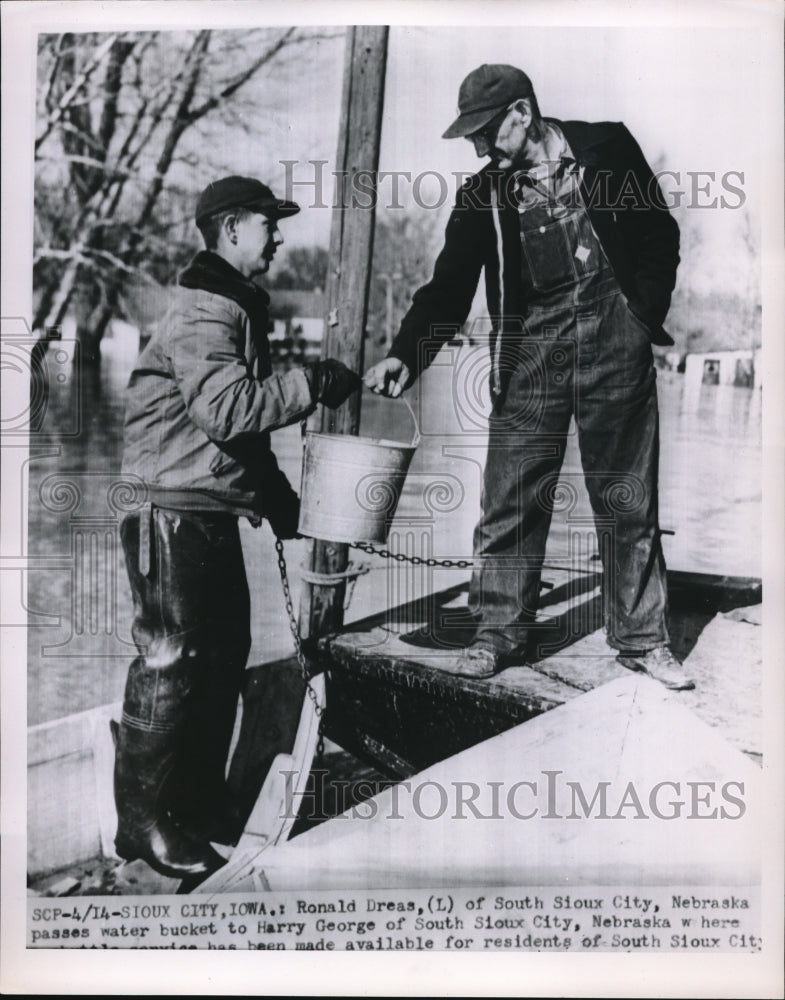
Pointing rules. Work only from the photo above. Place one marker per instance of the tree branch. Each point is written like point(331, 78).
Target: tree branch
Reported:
point(181, 121)
point(79, 82)
point(111, 172)
point(118, 55)
point(46, 92)
point(86, 137)
point(241, 78)
point(86, 256)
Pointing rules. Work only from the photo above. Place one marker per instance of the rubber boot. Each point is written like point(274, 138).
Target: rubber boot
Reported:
point(149, 740)
point(199, 798)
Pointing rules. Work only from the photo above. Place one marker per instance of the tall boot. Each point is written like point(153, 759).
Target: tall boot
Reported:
point(149, 741)
point(198, 796)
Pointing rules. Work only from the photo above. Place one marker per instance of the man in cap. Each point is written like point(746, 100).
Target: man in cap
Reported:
point(580, 256)
point(201, 403)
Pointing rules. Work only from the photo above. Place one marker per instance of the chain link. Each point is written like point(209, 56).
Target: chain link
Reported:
point(298, 646)
point(295, 629)
point(453, 563)
point(415, 560)
point(302, 660)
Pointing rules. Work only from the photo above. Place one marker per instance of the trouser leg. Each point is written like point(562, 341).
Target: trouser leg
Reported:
point(199, 796)
point(169, 634)
point(527, 440)
point(618, 426)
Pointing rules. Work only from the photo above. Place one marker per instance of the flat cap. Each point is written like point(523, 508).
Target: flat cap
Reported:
point(483, 94)
point(241, 192)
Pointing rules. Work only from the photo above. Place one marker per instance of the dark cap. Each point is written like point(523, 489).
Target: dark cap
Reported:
point(484, 93)
point(241, 192)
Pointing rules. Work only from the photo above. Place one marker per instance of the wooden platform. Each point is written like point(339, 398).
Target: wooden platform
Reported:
point(390, 703)
point(631, 739)
point(393, 703)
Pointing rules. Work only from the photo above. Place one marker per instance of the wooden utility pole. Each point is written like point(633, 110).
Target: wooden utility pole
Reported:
point(348, 283)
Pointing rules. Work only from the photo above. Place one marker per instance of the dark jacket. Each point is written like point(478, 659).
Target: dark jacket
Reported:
point(202, 399)
point(626, 208)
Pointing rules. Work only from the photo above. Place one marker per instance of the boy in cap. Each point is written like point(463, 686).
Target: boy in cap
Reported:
point(580, 256)
point(201, 403)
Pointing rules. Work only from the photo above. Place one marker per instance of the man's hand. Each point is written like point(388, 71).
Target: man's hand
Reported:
point(332, 382)
point(390, 377)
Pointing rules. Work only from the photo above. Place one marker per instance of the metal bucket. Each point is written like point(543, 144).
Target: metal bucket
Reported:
point(351, 485)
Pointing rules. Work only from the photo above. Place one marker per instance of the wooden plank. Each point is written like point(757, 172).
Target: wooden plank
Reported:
point(272, 705)
point(275, 810)
point(629, 733)
point(392, 706)
point(69, 794)
point(348, 283)
point(715, 592)
point(273, 816)
point(394, 703)
point(727, 665)
point(62, 821)
point(710, 592)
point(103, 770)
point(61, 737)
point(267, 816)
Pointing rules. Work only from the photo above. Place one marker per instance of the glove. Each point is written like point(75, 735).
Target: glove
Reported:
point(332, 382)
point(284, 520)
point(282, 506)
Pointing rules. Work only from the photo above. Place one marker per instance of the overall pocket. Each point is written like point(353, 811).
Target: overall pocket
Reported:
point(638, 354)
point(546, 251)
point(636, 326)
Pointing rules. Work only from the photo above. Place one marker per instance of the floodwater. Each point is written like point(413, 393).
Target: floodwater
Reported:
point(78, 602)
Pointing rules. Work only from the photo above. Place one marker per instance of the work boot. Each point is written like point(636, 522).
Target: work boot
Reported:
point(661, 664)
point(144, 830)
point(149, 742)
point(198, 797)
point(206, 810)
point(473, 661)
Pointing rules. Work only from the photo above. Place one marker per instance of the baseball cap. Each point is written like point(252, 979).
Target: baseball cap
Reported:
point(484, 92)
point(241, 192)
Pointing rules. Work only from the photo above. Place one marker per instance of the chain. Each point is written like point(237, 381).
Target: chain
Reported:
point(415, 560)
point(456, 563)
point(298, 646)
point(371, 550)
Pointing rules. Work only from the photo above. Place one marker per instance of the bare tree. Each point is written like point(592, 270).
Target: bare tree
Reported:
point(111, 196)
point(304, 268)
point(404, 250)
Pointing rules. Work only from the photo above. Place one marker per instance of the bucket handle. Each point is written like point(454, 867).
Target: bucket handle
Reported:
point(416, 438)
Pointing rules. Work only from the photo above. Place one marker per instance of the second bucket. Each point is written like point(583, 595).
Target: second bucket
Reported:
point(351, 485)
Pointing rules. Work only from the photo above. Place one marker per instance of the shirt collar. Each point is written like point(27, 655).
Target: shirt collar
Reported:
point(560, 157)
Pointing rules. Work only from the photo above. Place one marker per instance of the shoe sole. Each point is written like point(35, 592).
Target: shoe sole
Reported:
point(687, 685)
point(477, 675)
point(507, 660)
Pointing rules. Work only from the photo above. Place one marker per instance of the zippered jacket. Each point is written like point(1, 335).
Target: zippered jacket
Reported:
point(202, 398)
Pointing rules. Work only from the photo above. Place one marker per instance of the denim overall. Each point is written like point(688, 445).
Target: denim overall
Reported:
point(582, 354)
